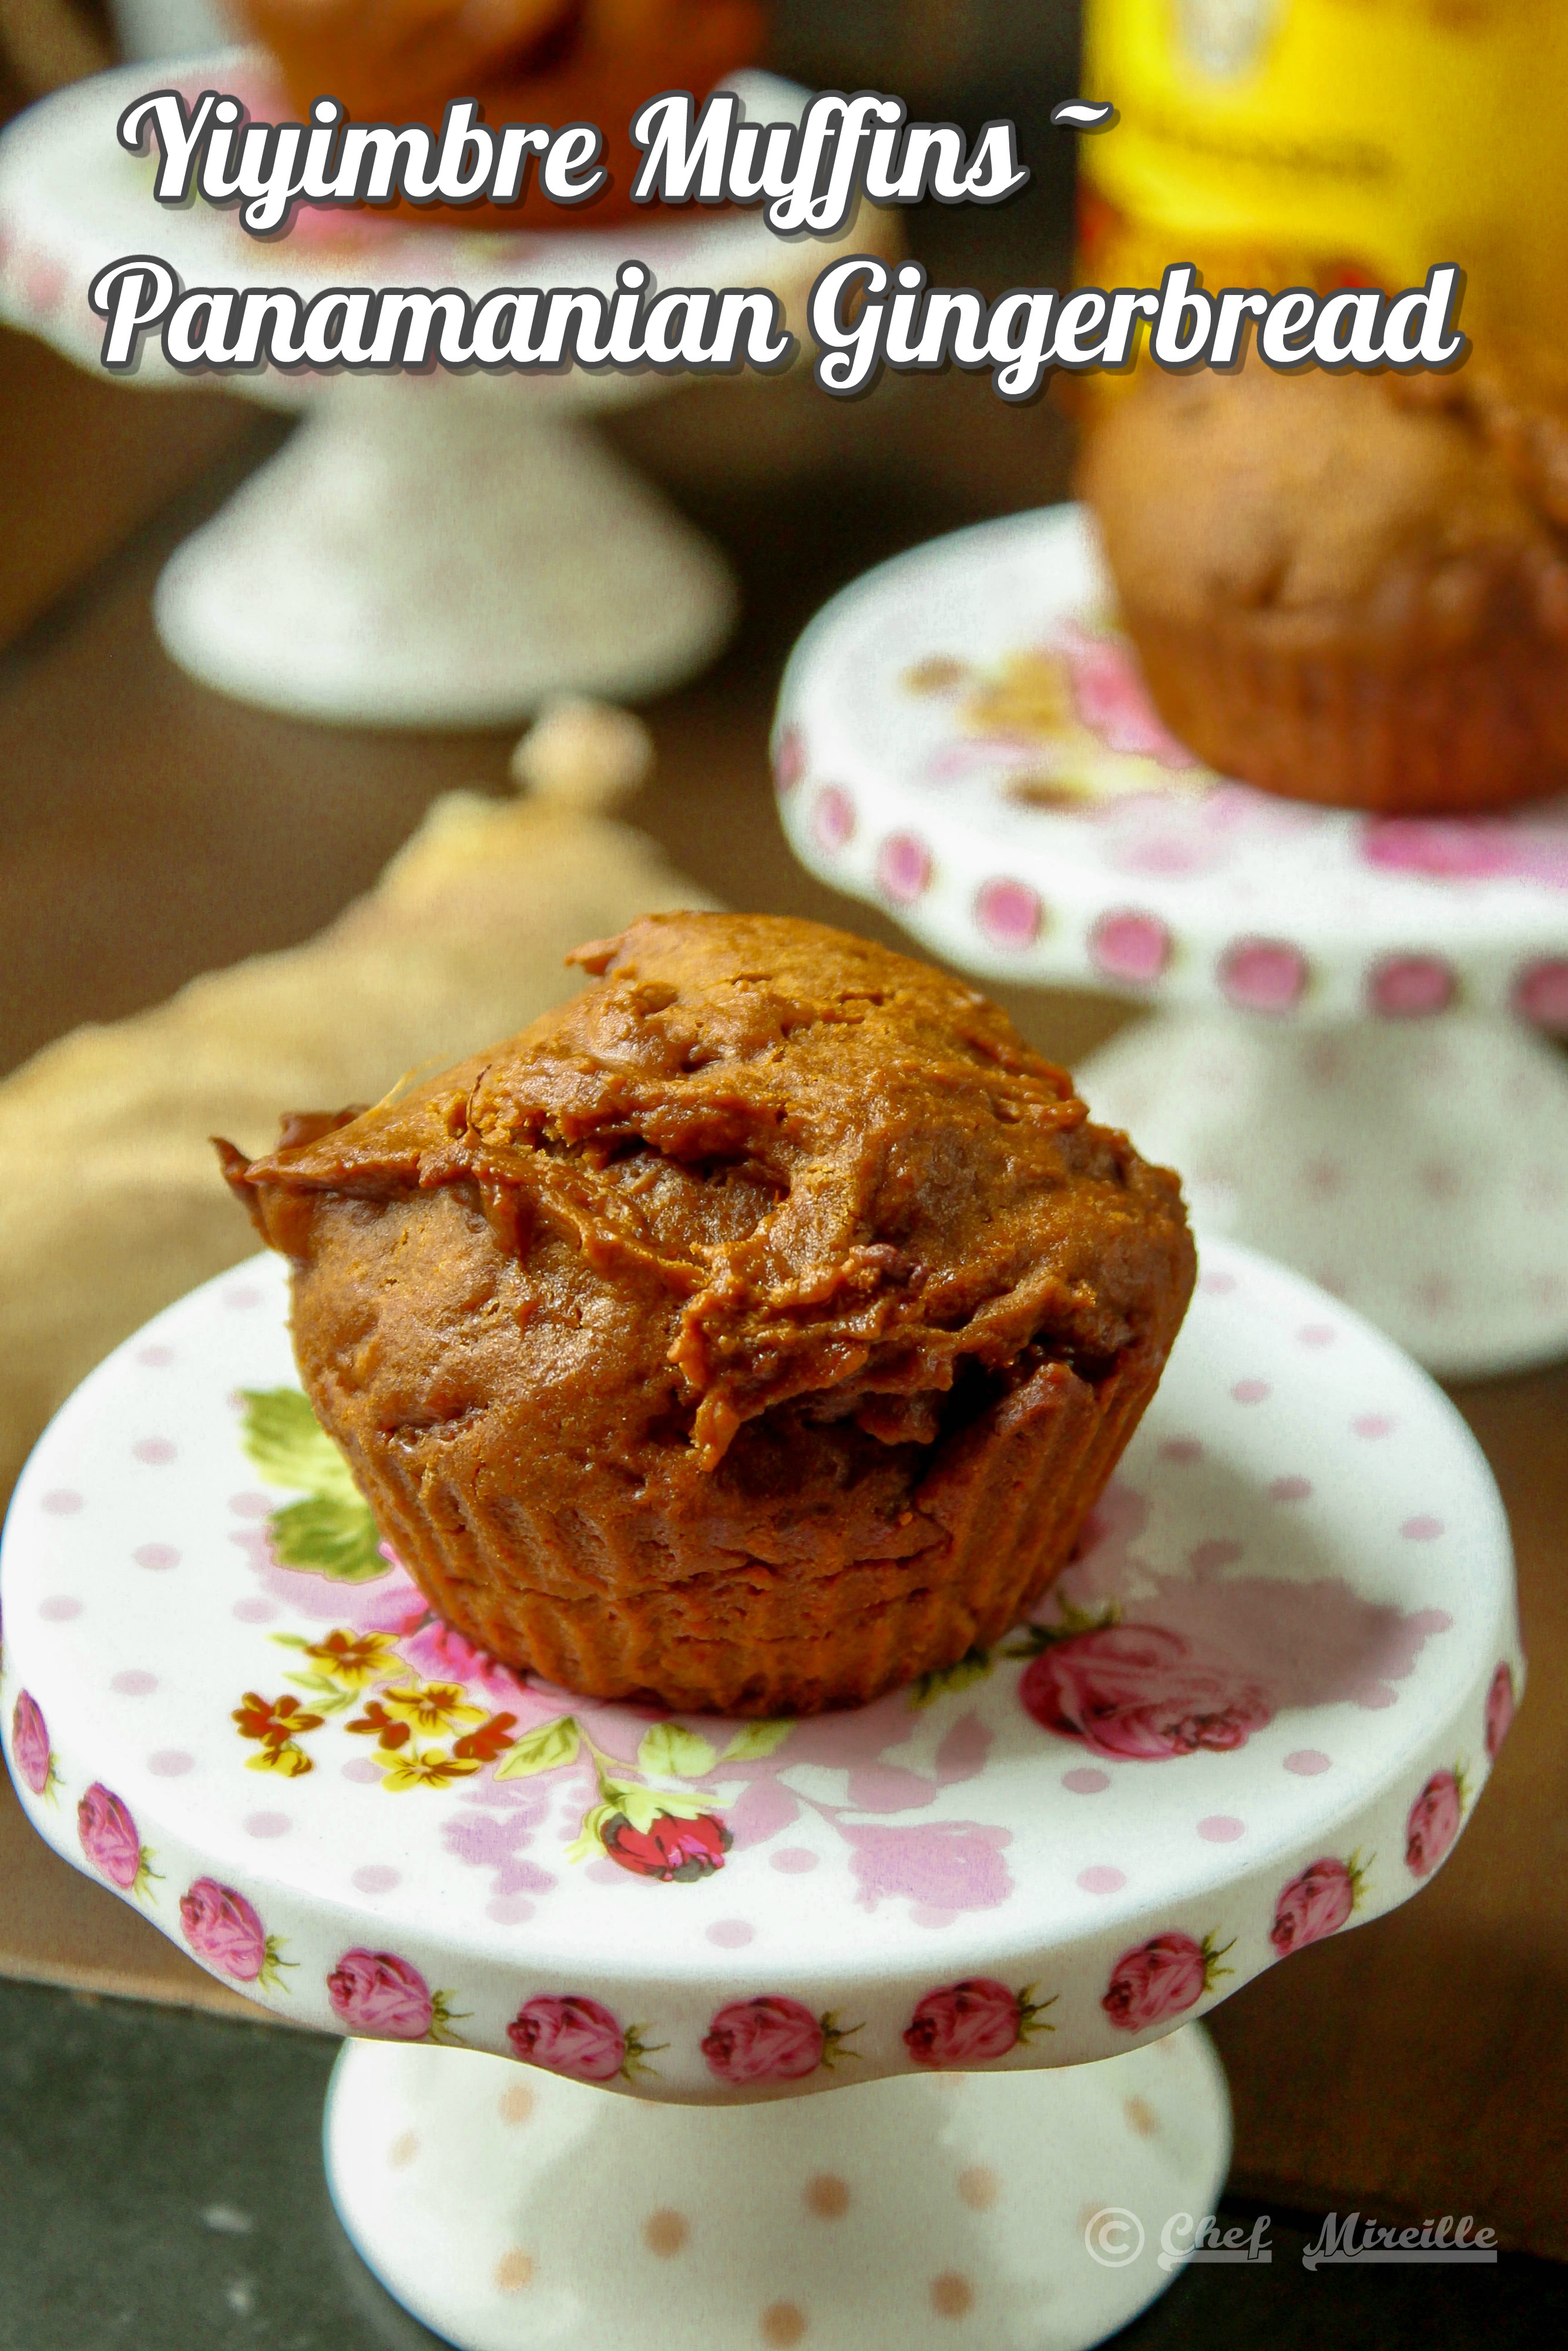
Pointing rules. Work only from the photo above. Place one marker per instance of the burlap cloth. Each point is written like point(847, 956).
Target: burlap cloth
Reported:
point(110, 1205)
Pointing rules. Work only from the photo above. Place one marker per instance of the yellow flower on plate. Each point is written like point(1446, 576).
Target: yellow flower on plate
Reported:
point(429, 1767)
point(432, 1706)
point(290, 1759)
point(353, 1659)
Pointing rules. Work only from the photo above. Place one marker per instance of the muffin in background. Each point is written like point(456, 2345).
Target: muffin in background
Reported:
point(550, 61)
point(1348, 589)
point(754, 1333)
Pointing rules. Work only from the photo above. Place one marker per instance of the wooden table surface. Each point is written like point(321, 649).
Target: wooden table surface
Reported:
point(152, 829)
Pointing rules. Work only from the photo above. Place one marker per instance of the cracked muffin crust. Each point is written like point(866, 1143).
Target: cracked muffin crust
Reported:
point(754, 1332)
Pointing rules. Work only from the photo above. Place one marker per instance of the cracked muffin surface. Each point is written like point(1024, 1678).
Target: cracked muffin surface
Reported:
point(753, 1332)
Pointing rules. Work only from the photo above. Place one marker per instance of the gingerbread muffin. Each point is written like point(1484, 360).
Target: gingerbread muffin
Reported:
point(1348, 589)
point(754, 1332)
point(553, 61)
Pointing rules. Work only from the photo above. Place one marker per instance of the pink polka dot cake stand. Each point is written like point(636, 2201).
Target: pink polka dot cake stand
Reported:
point(430, 548)
point(1257, 1711)
point(1344, 1059)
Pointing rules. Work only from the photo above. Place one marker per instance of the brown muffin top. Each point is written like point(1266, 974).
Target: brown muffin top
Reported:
point(844, 1172)
point(1401, 514)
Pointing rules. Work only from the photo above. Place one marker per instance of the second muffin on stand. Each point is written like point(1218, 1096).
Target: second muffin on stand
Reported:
point(1348, 589)
point(754, 1333)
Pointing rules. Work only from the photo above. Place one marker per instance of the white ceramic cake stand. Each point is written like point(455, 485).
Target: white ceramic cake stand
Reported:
point(964, 739)
point(428, 549)
point(1257, 1710)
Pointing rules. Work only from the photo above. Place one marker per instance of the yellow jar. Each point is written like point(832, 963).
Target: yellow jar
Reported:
point(1329, 143)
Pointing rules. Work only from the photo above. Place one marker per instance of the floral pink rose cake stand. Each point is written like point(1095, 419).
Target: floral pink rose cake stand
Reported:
point(428, 550)
point(1257, 1711)
point(1344, 1060)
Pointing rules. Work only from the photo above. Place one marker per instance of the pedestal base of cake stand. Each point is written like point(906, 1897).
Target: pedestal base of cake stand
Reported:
point(416, 557)
point(430, 550)
point(509, 2209)
point(1419, 1172)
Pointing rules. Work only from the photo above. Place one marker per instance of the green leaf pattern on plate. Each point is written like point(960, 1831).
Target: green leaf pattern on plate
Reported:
point(756, 1741)
point(671, 1752)
point(330, 1532)
point(547, 1748)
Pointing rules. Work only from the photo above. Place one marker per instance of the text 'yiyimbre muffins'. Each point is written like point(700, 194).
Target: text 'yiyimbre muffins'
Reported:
point(753, 1333)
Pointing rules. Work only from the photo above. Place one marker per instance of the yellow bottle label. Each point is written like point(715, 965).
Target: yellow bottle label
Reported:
point(1322, 143)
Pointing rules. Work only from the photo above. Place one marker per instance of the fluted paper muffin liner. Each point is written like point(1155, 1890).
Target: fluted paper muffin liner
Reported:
point(641, 1604)
point(1483, 728)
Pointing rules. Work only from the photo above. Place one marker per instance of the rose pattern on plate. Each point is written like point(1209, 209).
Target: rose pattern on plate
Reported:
point(381, 1997)
point(430, 1734)
point(1316, 1902)
point(1161, 1979)
point(974, 2023)
point(30, 1745)
point(427, 1730)
point(670, 1833)
point(1435, 1820)
point(640, 1823)
point(1136, 1693)
point(571, 2034)
point(659, 1815)
point(657, 1804)
point(1500, 1704)
point(773, 2039)
point(674, 1850)
point(372, 1667)
point(223, 1928)
point(108, 1838)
